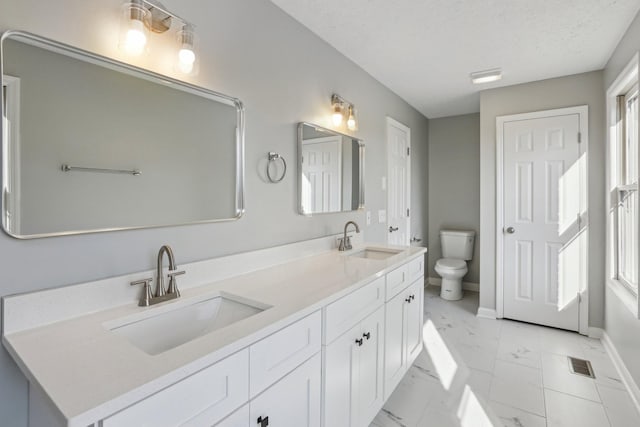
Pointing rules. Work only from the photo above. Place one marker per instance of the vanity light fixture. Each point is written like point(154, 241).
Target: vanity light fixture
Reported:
point(351, 121)
point(486, 76)
point(342, 107)
point(139, 17)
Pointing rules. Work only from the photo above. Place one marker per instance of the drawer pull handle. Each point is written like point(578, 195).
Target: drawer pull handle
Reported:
point(367, 336)
point(359, 341)
point(264, 422)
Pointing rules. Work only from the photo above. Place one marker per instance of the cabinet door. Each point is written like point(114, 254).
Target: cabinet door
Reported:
point(370, 368)
point(240, 418)
point(294, 401)
point(395, 342)
point(415, 314)
point(341, 379)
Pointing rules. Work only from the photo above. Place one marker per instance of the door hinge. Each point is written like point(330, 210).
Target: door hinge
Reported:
point(407, 212)
point(579, 137)
point(408, 151)
point(579, 297)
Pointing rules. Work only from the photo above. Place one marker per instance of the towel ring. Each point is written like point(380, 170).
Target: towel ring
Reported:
point(272, 158)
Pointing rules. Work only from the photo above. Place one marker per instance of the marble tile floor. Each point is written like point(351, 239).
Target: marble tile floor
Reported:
point(494, 373)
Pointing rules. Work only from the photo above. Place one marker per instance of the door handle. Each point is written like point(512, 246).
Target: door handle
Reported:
point(392, 229)
point(510, 230)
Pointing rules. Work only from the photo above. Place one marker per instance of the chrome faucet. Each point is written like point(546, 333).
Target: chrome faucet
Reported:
point(345, 242)
point(162, 293)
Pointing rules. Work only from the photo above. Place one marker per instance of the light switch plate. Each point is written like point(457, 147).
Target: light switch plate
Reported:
point(368, 217)
point(382, 216)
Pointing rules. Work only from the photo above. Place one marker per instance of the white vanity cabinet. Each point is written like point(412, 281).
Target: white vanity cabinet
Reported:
point(354, 374)
point(403, 333)
point(327, 354)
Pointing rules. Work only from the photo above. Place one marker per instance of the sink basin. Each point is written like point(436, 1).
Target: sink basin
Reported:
point(165, 327)
point(375, 253)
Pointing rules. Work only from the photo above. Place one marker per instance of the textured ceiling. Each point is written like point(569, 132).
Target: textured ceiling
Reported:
point(424, 50)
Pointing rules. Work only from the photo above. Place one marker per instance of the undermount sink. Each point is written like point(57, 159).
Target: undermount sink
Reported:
point(165, 328)
point(375, 253)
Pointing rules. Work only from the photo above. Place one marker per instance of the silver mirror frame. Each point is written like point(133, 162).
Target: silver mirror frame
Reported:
point(361, 175)
point(115, 65)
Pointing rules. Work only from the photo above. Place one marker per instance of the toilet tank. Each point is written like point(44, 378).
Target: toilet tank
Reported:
point(457, 244)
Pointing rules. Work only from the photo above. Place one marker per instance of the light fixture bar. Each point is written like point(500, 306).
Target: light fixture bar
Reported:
point(486, 76)
point(152, 4)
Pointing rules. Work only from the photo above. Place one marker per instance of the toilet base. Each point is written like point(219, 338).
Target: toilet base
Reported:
point(451, 289)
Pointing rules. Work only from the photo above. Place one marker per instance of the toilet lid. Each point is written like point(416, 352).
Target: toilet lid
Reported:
point(454, 264)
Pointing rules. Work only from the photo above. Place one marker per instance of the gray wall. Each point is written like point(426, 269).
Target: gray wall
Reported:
point(579, 89)
point(284, 74)
point(620, 324)
point(454, 187)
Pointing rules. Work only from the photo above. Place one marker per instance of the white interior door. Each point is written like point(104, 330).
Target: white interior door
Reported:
point(399, 182)
point(544, 248)
point(321, 170)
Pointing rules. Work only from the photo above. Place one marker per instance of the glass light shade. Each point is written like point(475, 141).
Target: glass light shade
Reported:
point(351, 121)
point(133, 28)
point(337, 117)
point(187, 50)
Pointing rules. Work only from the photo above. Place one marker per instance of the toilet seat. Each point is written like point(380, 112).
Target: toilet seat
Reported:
point(451, 263)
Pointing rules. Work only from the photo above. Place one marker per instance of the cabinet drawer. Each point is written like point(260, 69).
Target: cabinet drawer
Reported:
point(211, 394)
point(397, 280)
point(348, 311)
point(415, 269)
point(280, 353)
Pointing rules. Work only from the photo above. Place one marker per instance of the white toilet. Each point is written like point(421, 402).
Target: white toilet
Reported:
point(457, 248)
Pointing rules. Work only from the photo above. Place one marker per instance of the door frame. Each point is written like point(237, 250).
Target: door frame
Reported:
point(407, 129)
point(583, 113)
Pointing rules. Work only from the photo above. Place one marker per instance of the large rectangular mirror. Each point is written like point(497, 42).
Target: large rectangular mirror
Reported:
point(91, 144)
point(331, 171)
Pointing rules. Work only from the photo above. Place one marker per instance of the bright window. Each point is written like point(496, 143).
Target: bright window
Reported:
point(625, 192)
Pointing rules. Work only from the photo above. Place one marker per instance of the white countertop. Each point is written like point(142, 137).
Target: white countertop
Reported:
point(89, 372)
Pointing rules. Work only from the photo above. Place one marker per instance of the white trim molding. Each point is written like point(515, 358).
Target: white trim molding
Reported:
point(487, 313)
point(625, 375)
point(596, 333)
point(583, 112)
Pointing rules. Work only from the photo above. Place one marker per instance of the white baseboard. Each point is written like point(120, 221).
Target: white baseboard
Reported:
point(467, 286)
point(487, 313)
point(594, 332)
point(627, 379)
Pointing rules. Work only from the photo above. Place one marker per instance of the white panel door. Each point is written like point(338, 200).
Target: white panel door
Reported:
point(399, 185)
point(321, 171)
point(543, 253)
